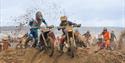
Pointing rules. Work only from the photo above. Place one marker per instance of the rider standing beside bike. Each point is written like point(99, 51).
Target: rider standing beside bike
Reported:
point(64, 23)
point(35, 26)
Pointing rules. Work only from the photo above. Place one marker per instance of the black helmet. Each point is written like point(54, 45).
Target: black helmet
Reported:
point(104, 29)
point(88, 31)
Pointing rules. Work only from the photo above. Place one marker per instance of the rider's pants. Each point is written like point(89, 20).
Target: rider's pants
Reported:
point(34, 32)
point(39, 32)
point(107, 43)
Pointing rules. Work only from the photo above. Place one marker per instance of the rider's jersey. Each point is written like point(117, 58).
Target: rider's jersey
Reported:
point(106, 36)
point(35, 24)
point(113, 37)
point(87, 35)
point(67, 23)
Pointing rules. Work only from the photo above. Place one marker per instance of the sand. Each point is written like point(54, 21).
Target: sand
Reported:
point(82, 55)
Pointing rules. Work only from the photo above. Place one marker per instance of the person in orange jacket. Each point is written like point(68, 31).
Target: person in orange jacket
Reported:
point(106, 36)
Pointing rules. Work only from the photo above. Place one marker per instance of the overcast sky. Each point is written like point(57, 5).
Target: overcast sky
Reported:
point(86, 12)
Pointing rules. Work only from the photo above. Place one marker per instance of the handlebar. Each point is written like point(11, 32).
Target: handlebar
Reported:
point(62, 27)
point(47, 28)
point(50, 27)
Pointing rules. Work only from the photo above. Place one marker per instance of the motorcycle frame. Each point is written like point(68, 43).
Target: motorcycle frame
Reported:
point(68, 38)
point(44, 40)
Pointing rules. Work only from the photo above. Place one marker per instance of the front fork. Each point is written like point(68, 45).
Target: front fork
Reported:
point(44, 40)
point(71, 40)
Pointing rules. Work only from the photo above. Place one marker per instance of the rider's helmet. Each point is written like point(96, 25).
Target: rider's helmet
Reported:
point(39, 15)
point(112, 31)
point(63, 18)
point(5, 37)
point(104, 29)
point(88, 31)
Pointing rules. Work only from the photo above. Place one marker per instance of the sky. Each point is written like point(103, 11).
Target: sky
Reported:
point(86, 12)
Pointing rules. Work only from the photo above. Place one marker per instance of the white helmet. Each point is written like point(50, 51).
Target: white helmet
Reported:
point(5, 37)
point(39, 15)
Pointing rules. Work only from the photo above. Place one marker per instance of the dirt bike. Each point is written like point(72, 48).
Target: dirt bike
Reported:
point(47, 38)
point(70, 39)
point(23, 44)
point(24, 41)
point(79, 40)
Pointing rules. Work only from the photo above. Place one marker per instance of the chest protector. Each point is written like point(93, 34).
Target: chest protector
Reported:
point(65, 23)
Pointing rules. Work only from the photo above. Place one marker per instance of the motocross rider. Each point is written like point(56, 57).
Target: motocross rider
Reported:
point(64, 23)
point(35, 26)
